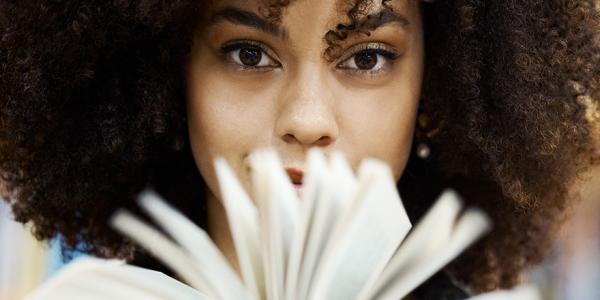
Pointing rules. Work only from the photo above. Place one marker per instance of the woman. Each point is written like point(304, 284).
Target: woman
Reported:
point(102, 100)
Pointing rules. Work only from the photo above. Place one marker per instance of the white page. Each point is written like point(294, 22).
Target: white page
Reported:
point(92, 278)
point(348, 211)
point(471, 226)
point(433, 229)
point(312, 184)
point(196, 242)
point(165, 250)
point(279, 212)
point(430, 247)
point(242, 216)
point(325, 206)
point(367, 240)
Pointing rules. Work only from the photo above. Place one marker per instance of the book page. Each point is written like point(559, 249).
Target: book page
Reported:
point(366, 238)
point(194, 272)
point(279, 217)
point(301, 260)
point(324, 207)
point(338, 243)
point(242, 216)
point(98, 279)
point(436, 240)
point(197, 245)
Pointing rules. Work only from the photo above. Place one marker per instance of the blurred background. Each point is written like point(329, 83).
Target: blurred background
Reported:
point(24, 262)
point(572, 272)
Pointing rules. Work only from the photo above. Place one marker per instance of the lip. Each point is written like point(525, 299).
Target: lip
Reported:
point(296, 177)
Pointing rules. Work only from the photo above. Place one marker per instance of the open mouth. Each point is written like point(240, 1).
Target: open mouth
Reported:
point(296, 176)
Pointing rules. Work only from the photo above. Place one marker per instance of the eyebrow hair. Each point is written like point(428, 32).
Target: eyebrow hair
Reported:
point(249, 19)
point(388, 16)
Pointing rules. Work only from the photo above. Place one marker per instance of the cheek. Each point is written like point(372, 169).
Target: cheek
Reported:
point(215, 126)
point(224, 120)
point(397, 146)
point(399, 129)
point(381, 123)
point(385, 132)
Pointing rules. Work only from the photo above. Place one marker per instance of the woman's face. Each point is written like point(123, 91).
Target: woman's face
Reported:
point(255, 84)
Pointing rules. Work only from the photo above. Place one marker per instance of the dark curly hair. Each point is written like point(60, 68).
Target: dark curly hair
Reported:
point(92, 106)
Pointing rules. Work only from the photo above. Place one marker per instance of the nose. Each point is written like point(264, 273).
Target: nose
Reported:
point(308, 110)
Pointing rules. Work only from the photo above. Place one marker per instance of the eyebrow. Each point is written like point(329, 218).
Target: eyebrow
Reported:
point(385, 17)
point(249, 19)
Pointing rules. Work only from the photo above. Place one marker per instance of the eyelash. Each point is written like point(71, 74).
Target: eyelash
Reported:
point(382, 51)
point(229, 51)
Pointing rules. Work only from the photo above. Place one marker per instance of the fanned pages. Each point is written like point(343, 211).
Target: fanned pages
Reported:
point(279, 220)
point(323, 208)
point(367, 237)
point(99, 279)
point(346, 237)
point(199, 260)
point(442, 235)
point(243, 223)
point(200, 248)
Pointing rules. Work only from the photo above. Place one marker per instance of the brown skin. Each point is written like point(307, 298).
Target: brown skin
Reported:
point(298, 98)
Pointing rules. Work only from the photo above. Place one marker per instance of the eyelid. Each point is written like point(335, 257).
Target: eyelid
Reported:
point(353, 50)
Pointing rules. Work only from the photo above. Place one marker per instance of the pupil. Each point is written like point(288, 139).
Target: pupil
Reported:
point(365, 60)
point(249, 56)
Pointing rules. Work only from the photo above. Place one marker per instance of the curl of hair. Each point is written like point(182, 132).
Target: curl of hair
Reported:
point(92, 110)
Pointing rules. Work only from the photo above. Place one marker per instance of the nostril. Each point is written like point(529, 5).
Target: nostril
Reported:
point(290, 138)
point(323, 141)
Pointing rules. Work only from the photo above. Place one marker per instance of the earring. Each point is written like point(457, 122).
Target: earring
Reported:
point(423, 150)
point(423, 134)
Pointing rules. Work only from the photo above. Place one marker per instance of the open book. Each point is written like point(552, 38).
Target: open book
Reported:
point(348, 237)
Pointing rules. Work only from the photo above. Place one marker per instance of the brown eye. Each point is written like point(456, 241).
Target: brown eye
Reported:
point(250, 56)
point(369, 59)
point(365, 60)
